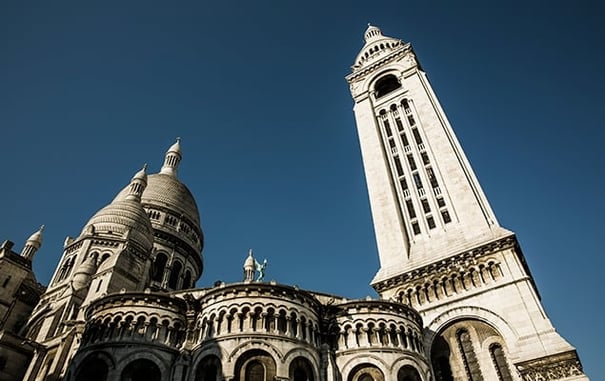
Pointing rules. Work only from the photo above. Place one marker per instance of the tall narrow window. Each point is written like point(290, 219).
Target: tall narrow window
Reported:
point(417, 180)
point(417, 137)
point(499, 362)
point(425, 205)
point(391, 143)
point(410, 207)
point(404, 139)
point(387, 127)
point(471, 365)
point(416, 228)
point(412, 162)
point(431, 222)
point(425, 158)
point(432, 177)
point(411, 120)
point(440, 202)
point(398, 166)
point(399, 124)
point(404, 184)
point(175, 274)
point(446, 217)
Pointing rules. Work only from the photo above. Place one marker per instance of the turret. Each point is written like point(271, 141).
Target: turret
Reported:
point(249, 267)
point(32, 244)
point(172, 159)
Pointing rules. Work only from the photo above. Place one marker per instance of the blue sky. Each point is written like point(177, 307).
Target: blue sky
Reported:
point(89, 91)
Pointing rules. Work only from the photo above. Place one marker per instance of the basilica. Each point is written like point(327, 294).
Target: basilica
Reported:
point(456, 299)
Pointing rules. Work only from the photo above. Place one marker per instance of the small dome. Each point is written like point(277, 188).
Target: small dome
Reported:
point(36, 238)
point(372, 33)
point(141, 175)
point(376, 46)
point(123, 217)
point(176, 147)
point(249, 263)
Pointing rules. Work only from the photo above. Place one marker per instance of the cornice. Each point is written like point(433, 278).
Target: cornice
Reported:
point(362, 72)
point(461, 260)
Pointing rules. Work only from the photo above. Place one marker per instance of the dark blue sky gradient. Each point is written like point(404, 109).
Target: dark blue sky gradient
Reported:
point(91, 91)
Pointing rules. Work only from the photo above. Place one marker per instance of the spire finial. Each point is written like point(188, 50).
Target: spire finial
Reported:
point(138, 184)
point(249, 267)
point(172, 159)
point(32, 244)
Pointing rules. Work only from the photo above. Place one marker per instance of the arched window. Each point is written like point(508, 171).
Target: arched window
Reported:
point(408, 373)
point(255, 371)
point(141, 370)
point(366, 372)
point(175, 274)
point(92, 369)
point(386, 84)
point(209, 369)
point(159, 265)
point(301, 370)
point(499, 360)
point(255, 365)
point(468, 355)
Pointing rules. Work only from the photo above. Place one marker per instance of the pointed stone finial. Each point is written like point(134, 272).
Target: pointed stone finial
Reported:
point(32, 244)
point(137, 184)
point(172, 159)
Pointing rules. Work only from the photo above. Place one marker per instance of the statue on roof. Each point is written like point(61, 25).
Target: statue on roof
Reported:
point(260, 268)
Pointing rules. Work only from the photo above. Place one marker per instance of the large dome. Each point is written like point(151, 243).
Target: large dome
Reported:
point(166, 191)
point(121, 216)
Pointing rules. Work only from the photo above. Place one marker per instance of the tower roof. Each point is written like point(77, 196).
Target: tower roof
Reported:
point(376, 46)
point(36, 238)
point(172, 159)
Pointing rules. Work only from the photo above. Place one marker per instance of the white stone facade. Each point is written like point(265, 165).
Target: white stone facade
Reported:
point(457, 300)
point(440, 246)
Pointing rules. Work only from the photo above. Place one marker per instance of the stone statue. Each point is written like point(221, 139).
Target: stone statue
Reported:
point(261, 269)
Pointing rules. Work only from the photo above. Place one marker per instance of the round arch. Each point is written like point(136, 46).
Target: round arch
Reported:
point(141, 370)
point(255, 344)
point(300, 353)
point(408, 373)
point(450, 316)
point(368, 359)
point(255, 365)
point(96, 366)
point(301, 369)
point(365, 372)
point(209, 369)
point(144, 355)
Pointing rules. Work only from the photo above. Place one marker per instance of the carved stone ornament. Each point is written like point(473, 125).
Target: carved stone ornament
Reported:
point(556, 367)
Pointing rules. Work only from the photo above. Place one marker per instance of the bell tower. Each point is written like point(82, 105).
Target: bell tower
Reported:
point(440, 246)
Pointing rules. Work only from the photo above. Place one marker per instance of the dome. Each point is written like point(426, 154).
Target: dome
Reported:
point(123, 217)
point(249, 263)
point(376, 46)
point(166, 191)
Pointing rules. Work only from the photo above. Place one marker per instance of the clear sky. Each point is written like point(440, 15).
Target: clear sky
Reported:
point(89, 91)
